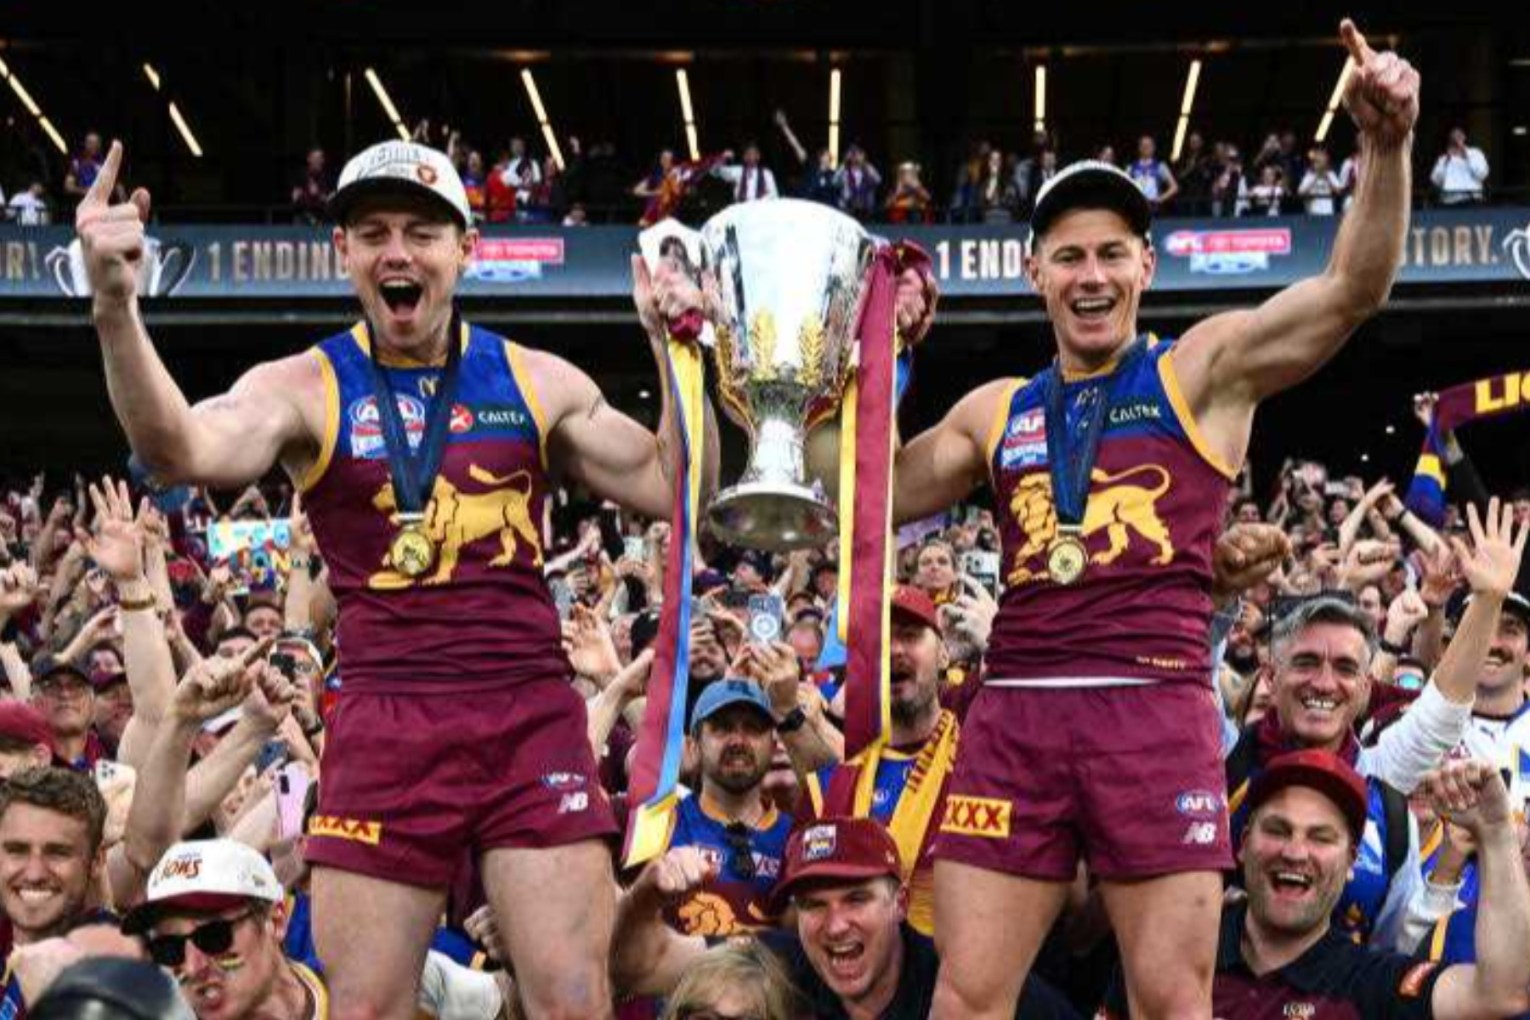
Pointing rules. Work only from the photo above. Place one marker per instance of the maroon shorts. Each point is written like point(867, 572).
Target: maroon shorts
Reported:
point(411, 781)
point(1129, 779)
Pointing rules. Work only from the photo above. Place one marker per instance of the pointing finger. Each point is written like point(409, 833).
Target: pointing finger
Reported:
point(100, 193)
point(1355, 42)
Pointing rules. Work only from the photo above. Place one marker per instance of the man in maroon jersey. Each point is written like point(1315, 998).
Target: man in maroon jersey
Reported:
point(423, 447)
point(1093, 738)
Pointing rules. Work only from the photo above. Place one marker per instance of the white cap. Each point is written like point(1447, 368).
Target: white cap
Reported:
point(401, 166)
point(205, 874)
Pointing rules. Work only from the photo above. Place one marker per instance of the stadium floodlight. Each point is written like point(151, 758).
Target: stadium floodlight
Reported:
point(1192, 80)
point(1041, 97)
point(32, 107)
point(386, 102)
point(548, 134)
point(185, 130)
point(1335, 99)
point(687, 113)
point(179, 119)
point(52, 132)
point(834, 87)
point(25, 97)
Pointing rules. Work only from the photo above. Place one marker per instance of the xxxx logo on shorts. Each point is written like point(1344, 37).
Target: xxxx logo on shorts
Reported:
point(977, 816)
point(369, 833)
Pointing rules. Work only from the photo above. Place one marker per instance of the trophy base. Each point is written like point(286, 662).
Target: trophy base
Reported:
point(772, 517)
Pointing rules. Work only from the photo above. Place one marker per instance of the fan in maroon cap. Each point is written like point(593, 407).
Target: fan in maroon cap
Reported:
point(26, 740)
point(1279, 953)
point(851, 951)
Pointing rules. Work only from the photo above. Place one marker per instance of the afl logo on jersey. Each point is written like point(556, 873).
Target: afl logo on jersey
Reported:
point(1029, 427)
point(1025, 440)
point(367, 429)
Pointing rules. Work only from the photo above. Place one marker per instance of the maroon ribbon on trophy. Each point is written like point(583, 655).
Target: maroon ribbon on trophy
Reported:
point(867, 450)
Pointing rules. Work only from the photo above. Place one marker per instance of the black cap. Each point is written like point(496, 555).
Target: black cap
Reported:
point(1513, 603)
point(1091, 184)
point(112, 988)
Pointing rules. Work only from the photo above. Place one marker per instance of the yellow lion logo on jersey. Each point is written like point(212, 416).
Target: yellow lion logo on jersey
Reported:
point(708, 915)
point(1116, 509)
point(456, 519)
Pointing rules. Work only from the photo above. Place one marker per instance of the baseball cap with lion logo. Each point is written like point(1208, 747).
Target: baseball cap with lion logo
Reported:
point(401, 167)
point(204, 874)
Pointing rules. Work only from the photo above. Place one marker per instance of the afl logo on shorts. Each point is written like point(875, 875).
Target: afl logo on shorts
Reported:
point(1198, 804)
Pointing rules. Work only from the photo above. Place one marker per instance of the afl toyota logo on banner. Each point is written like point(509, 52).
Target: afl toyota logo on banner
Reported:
point(514, 259)
point(1224, 252)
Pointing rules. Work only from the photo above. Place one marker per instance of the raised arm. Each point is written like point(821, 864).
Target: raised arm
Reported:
point(1490, 566)
point(155, 820)
point(940, 466)
point(811, 744)
point(791, 138)
point(648, 956)
point(1439, 719)
point(117, 547)
point(1472, 794)
point(1230, 362)
point(224, 441)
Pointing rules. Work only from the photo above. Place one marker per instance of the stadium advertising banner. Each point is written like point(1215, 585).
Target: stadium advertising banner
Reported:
point(185, 263)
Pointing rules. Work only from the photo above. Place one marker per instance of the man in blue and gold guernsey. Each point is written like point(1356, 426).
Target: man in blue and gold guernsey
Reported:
point(1094, 737)
point(729, 818)
point(423, 447)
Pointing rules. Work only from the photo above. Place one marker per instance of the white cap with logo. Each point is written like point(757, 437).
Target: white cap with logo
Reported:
point(401, 167)
point(204, 874)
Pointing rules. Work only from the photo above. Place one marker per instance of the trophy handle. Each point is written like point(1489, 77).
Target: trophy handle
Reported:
point(57, 262)
point(175, 262)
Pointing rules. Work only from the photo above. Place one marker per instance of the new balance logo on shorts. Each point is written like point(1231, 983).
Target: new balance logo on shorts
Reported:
point(977, 816)
point(1201, 834)
point(572, 802)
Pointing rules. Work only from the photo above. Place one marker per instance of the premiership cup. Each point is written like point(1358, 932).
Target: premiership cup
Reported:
point(790, 278)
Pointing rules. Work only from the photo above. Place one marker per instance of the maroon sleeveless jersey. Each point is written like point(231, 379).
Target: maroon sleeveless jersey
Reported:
point(482, 616)
point(1157, 493)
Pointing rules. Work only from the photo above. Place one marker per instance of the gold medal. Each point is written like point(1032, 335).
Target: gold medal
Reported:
point(412, 551)
point(1067, 557)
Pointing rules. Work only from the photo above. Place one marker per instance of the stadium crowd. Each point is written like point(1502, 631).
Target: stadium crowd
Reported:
point(263, 746)
point(513, 183)
point(164, 703)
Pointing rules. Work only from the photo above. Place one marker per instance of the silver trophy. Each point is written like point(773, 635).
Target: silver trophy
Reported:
point(790, 279)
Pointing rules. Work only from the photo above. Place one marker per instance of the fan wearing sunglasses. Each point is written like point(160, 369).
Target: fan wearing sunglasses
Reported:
point(215, 916)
